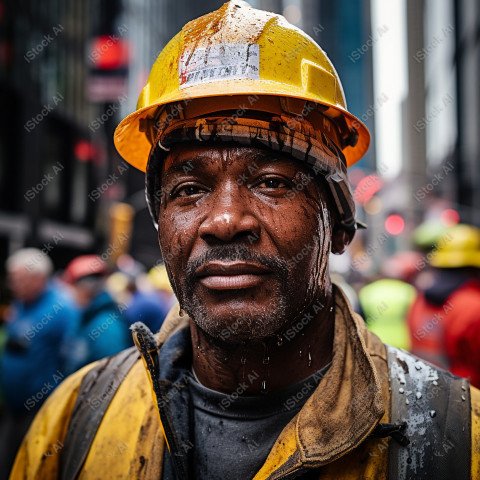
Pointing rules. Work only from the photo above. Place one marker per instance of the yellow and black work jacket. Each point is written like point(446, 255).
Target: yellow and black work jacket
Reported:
point(378, 413)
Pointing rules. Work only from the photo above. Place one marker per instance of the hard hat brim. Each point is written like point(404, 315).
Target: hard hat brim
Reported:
point(134, 147)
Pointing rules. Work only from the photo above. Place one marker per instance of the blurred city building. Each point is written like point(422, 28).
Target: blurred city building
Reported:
point(47, 158)
point(442, 108)
point(430, 120)
point(57, 162)
point(440, 147)
point(466, 63)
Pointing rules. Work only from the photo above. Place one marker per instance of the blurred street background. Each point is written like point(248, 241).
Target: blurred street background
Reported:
point(70, 70)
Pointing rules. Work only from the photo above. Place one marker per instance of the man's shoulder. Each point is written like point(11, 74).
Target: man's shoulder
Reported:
point(400, 363)
point(37, 456)
point(405, 366)
point(107, 373)
point(431, 404)
point(114, 369)
point(70, 421)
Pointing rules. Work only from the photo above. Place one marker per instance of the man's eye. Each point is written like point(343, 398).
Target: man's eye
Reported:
point(186, 191)
point(273, 183)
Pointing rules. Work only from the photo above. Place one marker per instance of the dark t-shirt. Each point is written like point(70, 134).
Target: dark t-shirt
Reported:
point(233, 434)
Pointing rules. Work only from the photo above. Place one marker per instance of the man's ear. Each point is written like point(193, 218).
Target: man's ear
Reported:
point(341, 238)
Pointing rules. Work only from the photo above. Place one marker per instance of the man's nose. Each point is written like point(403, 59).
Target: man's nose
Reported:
point(230, 218)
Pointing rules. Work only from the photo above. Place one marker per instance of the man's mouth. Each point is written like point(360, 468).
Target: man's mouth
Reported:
point(231, 275)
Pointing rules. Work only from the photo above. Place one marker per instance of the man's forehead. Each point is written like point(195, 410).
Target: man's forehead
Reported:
point(189, 157)
point(22, 270)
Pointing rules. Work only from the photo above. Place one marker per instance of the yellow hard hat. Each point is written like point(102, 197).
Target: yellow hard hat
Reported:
point(458, 247)
point(239, 52)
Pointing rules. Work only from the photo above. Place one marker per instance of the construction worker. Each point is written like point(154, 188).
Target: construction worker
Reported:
point(101, 330)
point(444, 321)
point(264, 371)
point(386, 301)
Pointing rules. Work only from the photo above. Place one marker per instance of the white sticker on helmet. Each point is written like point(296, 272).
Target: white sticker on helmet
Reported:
point(227, 61)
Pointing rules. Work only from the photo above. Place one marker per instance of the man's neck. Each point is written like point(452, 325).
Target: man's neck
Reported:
point(303, 348)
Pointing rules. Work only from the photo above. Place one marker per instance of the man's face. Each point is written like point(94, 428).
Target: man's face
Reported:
point(82, 295)
point(245, 235)
point(26, 285)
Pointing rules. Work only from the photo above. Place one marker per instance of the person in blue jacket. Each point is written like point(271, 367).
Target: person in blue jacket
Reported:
point(31, 364)
point(102, 331)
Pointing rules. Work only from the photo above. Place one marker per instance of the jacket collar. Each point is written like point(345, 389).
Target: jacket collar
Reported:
point(341, 412)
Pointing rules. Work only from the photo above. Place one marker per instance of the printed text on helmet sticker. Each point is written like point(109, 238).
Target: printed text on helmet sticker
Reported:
point(227, 61)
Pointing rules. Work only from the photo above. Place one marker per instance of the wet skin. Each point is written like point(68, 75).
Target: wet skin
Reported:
point(246, 235)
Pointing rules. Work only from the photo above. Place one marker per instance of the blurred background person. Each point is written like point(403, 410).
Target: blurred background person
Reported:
point(101, 331)
point(147, 304)
point(385, 303)
point(158, 278)
point(444, 321)
point(147, 298)
point(31, 365)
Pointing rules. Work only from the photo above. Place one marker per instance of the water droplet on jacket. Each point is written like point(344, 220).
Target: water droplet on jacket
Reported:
point(407, 402)
point(263, 388)
point(266, 360)
point(401, 390)
point(279, 340)
point(433, 413)
point(435, 382)
point(243, 360)
point(463, 398)
point(418, 395)
point(418, 366)
point(464, 388)
point(309, 359)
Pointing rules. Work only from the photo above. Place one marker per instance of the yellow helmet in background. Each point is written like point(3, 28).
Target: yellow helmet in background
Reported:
point(458, 247)
point(158, 278)
point(224, 59)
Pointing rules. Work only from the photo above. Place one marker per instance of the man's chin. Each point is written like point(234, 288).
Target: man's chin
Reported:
point(230, 327)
